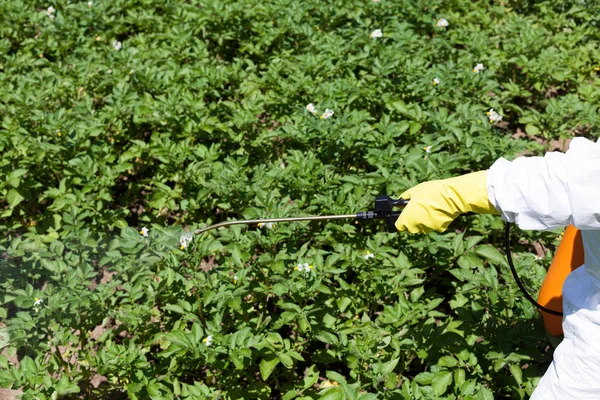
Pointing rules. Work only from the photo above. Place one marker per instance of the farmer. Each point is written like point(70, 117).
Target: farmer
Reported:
point(537, 193)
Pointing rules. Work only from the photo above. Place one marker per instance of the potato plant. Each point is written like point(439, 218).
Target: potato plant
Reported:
point(127, 124)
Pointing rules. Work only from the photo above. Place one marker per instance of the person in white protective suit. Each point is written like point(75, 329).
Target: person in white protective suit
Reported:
point(537, 193)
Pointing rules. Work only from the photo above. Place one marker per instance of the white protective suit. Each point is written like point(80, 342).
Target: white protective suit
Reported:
point(549, 192)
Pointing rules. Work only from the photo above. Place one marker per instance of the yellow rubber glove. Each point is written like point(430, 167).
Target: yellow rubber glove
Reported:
point(434, 205)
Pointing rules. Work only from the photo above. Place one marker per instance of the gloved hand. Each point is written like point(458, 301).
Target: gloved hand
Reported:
point(434, 205)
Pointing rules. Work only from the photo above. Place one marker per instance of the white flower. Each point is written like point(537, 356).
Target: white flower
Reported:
point(185, 240)
point(494, 116)
point(327, 114)
point(478, 67)
point(537, 258)
point(208, 340)
point(50, 12)
point(268, 225)
point(36, 304)
point(427, 149)
point(144, 232)
point(117, 45)
point(368, 255)
point(109, 71)
point(235, 279)
point(90, 4)
point(131, 72)
point(436, 81)
point(442, 23)
point(311, 108)
point(376, 34)
point(303, 267)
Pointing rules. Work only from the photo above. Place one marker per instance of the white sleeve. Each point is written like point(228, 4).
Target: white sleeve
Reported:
point(551, 191)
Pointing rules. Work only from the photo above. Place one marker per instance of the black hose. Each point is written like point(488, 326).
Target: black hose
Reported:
point(514, 273)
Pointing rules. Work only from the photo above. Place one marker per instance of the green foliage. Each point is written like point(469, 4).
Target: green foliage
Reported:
point(201, 117)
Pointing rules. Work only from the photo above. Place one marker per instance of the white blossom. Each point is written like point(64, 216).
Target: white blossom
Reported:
point(436, 81)
point(268, 225)
point(427, 149)
point(144, 232)
point(37, 303)
point(311, 108)
point(117, 45)
point(90, 4)
point(477, 68)
point(327, 114)
point(235, 279)
point(494, 116)
point(376, 34)
point(442, 23)
point(185, 240)
point(50, 12)
point(368, 255)
point(303, 267)
point(208, 340)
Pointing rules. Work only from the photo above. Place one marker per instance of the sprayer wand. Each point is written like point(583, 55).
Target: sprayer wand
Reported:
point(384, 209)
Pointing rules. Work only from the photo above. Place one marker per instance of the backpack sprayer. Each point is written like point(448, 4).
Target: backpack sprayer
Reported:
point(384, 209)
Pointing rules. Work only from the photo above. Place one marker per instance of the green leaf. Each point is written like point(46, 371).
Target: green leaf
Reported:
point(517, 372)
point(14, 198)
point(400, 106)
point(332, 393)
point(343, 303)
point(367, 396)
point(327, 337)
point(176, 387)
point(389, 366)
point(295, 355)
point(174, 308)
point(234, 356)
point(447, 361)
point(441, 381)
point(267, 366)
point(492, 254)
point(459, 377)
point(28, 366)
point(532, 130)
point(486, 394)
point(14, 178)
point(424, 378)
point(291, 394)
point(312, 376)
point(349, 392)
point(286, 360)
point(414, 127)
point(334, 376)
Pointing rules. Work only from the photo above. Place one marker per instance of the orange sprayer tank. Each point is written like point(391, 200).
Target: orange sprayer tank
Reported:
point(568, 257)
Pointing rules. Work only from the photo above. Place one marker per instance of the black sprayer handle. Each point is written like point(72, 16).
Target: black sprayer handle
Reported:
point(384, 209)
